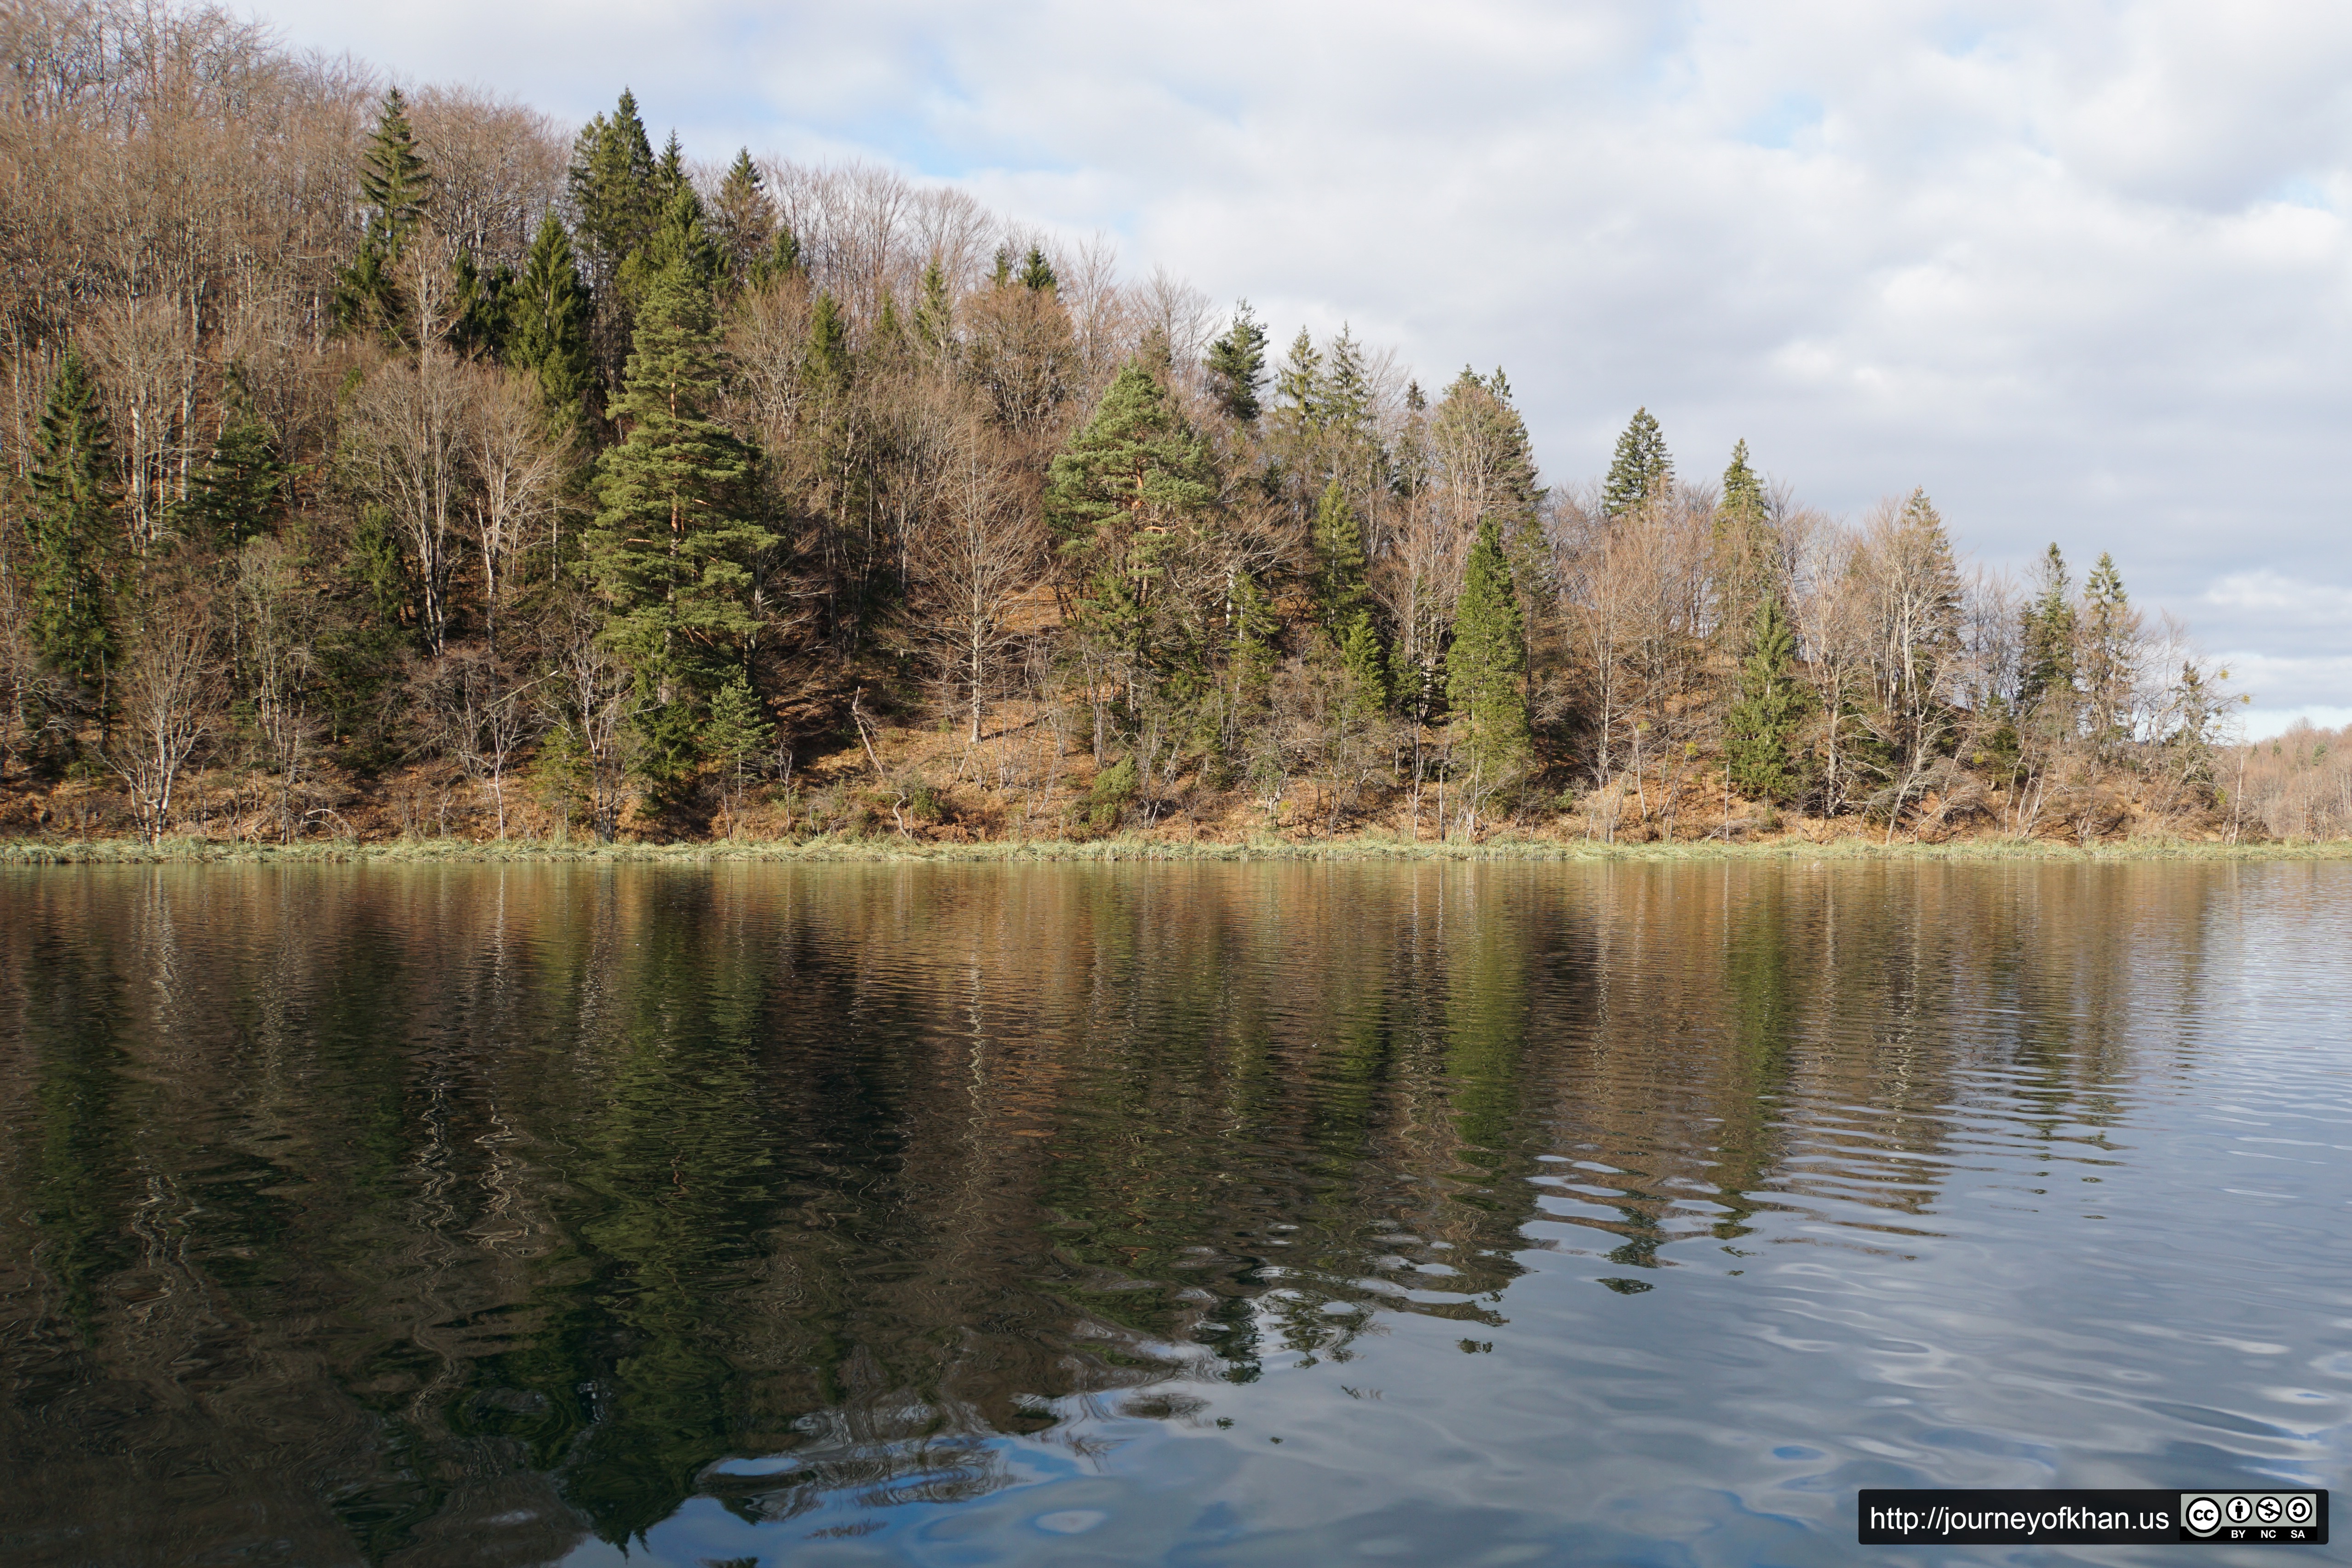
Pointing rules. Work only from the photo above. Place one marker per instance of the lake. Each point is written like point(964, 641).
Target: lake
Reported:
point(1220, 1213)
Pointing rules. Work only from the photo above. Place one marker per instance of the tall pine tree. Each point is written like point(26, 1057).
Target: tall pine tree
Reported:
point(73, 530)
point(1486, 666)
point(1747, 549)
point(1641, 471)
point(236, 496)
point(549, 317)
point(1339, 560)
point(677, 525)
point(394, 186)
point(1762, 731)
point(1236, 365)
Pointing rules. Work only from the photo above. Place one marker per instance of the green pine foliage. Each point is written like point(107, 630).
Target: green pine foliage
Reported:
point(1365, 662)
point(1641, 471)
point(1236, 367)
point(1339, 560)
point(1747, 546)
point(548, 319)
point(2046, 679)
point(395, 185)
point(237, 495)
point(72, 528)
point(1763, 730)
point(1486, 664)
point(1121, 484)
point(743, 219)
point(935, 313)
point(678, 527)
point(612, 187)
point(1037, 273)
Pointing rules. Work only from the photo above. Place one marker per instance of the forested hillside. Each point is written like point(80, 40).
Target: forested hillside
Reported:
point(387, 463)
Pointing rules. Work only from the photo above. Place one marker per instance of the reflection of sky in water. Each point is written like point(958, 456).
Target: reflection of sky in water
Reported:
point(2055, 1318)
point(1263, 1215)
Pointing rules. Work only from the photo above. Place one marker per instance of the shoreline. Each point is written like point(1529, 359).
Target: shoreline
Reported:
point(830, 851)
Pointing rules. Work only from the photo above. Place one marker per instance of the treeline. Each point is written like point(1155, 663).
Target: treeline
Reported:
point(352, 432)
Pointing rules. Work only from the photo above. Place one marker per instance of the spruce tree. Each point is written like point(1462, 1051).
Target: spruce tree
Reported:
point(2046, 679)
point(1485, 667)
point(677, 527)
point(235, 497)
point(72, 528)
point(2110, 629)
point(828, 365)
point(1037, 274)
point(743, 219)
point(1747, 547)
point(612, 189)
point(1762, 728)
point(395, 185)
point(1339, 559)
point(549, 316)
point(935, 316)
point(780, 260)
point(1641, 471)
point(1300, 384)
point(1236, 365)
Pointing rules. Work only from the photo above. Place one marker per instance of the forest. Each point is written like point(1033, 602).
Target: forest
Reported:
point(399, 463)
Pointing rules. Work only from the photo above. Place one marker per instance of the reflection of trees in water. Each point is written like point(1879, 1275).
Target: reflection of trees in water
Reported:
point(395, 1211)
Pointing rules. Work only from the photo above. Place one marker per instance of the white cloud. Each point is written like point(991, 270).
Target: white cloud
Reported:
point(2084, 272)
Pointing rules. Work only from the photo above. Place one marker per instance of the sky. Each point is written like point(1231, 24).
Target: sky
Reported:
point(2082, 271)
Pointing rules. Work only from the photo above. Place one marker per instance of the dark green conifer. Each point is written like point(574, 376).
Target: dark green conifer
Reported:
point(935, 316)
point(548, 321)
point(72, 528)
point(829, 367)
point(1641, 471)
point(677, 522)
point(1114, 492)
point(1037, 274)
point(1236, 365)
point(1339, 560)
point(236, 496)
point(612, 189)
point(1365, 662)
point(743, 219)
point(1485, 667)
point(395, 185)
point(1762, 731)
point(2046, 676)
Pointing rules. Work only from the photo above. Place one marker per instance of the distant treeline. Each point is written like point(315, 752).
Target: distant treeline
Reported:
point(349, 431)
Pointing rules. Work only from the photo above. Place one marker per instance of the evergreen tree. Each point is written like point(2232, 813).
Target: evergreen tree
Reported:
point(677, 528)
point(738, 730)
point(828, 360)
point(1236, 365)
point(481, 324)
point(1037, 274)
point(72, 527)
point(1641, 471)
point(1762, 728)
point(548, 321)
point(235, 497)
point(1486, 666)
point(1300, 384)
point(1743, 492)
point(2110, 634)
point(393, 180)
point(613, 190)
point(1134, 467)
point(1253, 624)
point(780, 260)
point(2046, 679)
point(935, 316)
point(1339, 559)
point(1747, 547)
point(743, 219)
point(395, 185)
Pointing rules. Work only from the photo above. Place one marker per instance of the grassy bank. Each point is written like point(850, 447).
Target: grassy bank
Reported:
point(1120, 850)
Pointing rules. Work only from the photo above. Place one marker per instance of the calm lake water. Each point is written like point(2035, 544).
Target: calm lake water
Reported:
point(1261, 1213)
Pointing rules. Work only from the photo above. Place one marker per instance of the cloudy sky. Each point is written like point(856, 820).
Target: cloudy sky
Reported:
point(2081, 270)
